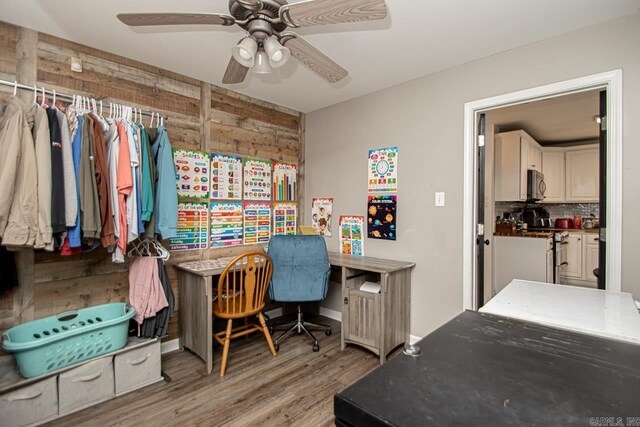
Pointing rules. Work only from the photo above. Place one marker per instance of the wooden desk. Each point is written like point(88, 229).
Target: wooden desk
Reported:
point(378, 322)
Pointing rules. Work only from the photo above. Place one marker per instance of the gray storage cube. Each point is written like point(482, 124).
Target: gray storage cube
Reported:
point(138, 368)
point(86, 385)
point(30, 404)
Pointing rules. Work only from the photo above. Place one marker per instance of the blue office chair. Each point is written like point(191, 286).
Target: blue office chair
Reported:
point(300, 273)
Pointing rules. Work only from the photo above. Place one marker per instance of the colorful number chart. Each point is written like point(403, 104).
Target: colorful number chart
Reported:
point(193, 221)
point(226, 224)
point(192, 173)
point(381, 218)
point(351, 239)
point(383, 170)
point(226, 177)
point(257, 180)
point(284, 218)
point(284, 181)
point(257, 223)
point(321, 210)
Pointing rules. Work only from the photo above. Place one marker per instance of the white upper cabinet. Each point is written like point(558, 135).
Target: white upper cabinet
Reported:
point(515, 153)
point(582, 175)
point(553, 171)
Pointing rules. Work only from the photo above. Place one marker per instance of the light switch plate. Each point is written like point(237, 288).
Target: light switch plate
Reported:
point(439, 198)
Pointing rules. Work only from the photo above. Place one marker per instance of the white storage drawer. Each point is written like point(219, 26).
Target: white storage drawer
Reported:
point(29, 405)
point(137, 368)
point(86, 385)
point(592, 238)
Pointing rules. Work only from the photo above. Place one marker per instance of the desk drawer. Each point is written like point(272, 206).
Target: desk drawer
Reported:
point(137, 368)
point(85, 385)
point(29, 405)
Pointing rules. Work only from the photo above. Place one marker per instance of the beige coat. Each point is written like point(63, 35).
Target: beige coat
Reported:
point(18, 179)
point(42, 141)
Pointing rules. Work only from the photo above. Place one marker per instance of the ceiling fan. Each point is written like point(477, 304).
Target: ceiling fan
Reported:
point(269, 44)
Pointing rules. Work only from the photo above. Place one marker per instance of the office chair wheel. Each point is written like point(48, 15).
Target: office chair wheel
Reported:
point(327, 332)
point(316, 347)
point(276, 346)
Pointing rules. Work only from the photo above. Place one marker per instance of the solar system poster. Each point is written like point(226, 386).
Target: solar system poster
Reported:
point(383, 170)
point(381, 217)
point(192, 173)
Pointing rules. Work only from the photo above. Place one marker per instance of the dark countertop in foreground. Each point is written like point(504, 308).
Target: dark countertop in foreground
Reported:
point(485, 370)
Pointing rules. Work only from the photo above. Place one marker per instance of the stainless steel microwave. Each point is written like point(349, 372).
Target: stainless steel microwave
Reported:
point(536, 186)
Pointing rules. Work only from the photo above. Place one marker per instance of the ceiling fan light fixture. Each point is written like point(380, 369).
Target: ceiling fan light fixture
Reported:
point(261, 65)
point(278, 55)
point(245, 51)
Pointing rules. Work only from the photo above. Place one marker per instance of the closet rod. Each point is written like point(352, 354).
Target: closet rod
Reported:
point(68, 97)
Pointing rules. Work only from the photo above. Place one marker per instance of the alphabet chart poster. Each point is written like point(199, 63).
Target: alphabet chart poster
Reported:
point(351, 239)
point(321, 209)
point(226, 224)
point(226, 177)
point(284, 181)
point(192, 173)
point(284, 218)
point(257, 180)
point(257, 223)
point(193, 222)
point(381, 218)
point(383, 170)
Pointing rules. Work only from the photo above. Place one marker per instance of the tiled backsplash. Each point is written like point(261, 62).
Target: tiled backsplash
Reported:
point(556, 210)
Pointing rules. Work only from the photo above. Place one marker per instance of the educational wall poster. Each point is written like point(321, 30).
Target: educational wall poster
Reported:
point(321, 215)
point(284, 181)
point(193, 221)
point(226, 224)
point(257, 223)
point(284, 218)
point(226, 177)
point(383, 170)
point(351, 238)
point(192, 173)
point(381, 218)
point(257, 179)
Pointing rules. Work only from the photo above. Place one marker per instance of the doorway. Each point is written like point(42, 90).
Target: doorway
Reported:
point(474, 126)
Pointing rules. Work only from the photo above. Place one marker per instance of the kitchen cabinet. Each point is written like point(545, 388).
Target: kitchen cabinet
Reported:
point(582, 175)
point(573, 268)
point(591, 250)
point(553, 171)
point(526, 258)
point(515, 153)
point(582, 258)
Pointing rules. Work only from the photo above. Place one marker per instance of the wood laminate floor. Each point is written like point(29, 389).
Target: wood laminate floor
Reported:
point(295, 387)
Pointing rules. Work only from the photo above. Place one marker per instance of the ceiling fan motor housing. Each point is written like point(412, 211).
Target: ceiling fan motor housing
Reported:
point(259, 27)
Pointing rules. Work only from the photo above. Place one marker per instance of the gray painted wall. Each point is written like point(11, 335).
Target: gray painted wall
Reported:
point(424, 117)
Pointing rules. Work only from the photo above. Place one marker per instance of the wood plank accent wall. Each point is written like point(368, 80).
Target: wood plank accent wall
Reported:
point(200, 116)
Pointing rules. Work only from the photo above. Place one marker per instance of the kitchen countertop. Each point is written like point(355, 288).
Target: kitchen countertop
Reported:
point(570, 230)
point(534, 234)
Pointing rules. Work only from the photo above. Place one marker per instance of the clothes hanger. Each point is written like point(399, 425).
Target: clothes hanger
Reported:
point(151, 121)
point(101, 108)
point(42, 100)
point(53, 104)
point(35, 95)
point(15, 88)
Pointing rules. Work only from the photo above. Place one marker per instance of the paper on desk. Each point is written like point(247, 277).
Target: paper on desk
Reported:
point(372, 287)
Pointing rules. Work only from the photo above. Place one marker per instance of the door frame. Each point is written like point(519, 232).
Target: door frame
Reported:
point(612, 82)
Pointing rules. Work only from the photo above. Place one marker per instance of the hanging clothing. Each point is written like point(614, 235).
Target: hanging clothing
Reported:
point(158, 326)
point(89, 200)
point(124, 184)
point(107, 235)
point(74, 234)
point(8, 271)
point(166, 195)
point(72, 119)
point(132, 199)
point(146, 175)
point(150, 228)
point(58, 219)
point(146, 294)
point(18, 177)
point(70, 191)
point(113, 151)
point(138, 178)
point(42, 143)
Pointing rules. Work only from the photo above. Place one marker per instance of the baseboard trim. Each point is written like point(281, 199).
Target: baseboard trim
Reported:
point(331, 314)
point(170, 346)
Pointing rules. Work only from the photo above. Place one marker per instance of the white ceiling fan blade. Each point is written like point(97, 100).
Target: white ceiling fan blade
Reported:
point(235, 72)
point(142, 19)
point(312, 58)
point(322, 12)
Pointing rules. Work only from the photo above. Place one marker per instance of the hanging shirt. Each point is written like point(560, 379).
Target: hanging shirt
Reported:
point(136, 136)
point(166, 196)
point(146, 176)
point(107, 236)
point(70, 192)
point(132, 203)
point(113, 151)
point(42, 141)
point(74, 234)
point(58, 221)
point(89, 202)
point(124, 183)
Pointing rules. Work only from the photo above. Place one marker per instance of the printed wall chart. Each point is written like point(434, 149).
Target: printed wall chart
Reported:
point(257, 223)
point(284, 181)
point(321, 209)
point(226, 177)
point(381, 218)
point(284, 218)
point(257, 180)
point(351, 238)
point(192, 173)
point(383, 170)
point(193, 221)
point(226, 224)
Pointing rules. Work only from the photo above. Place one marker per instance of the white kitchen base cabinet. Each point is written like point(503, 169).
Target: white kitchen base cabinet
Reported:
point(582, 258)
point(525, 258)
point(33, 401)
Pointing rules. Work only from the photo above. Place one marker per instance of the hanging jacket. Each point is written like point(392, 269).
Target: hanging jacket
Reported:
point(107, 235)
point(137, 137)
point(166, 196)
point(112, 142)
point(18, 177)
point(42, 143)
point(146, 294)
point(150, 228)
point(70, 191)
point(146, 184)
point(58, 220)
point(89, 201)
point(74, 233)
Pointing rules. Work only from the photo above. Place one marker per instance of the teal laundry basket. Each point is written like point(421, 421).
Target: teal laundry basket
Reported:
point(54, 342)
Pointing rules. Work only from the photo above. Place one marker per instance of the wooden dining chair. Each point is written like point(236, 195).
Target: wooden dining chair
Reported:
point(241, 292)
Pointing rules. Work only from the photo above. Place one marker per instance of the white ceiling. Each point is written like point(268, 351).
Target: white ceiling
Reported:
point(417, 38)
point(568, 118)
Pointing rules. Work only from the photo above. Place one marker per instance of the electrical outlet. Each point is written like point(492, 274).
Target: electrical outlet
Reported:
point(439, 198)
